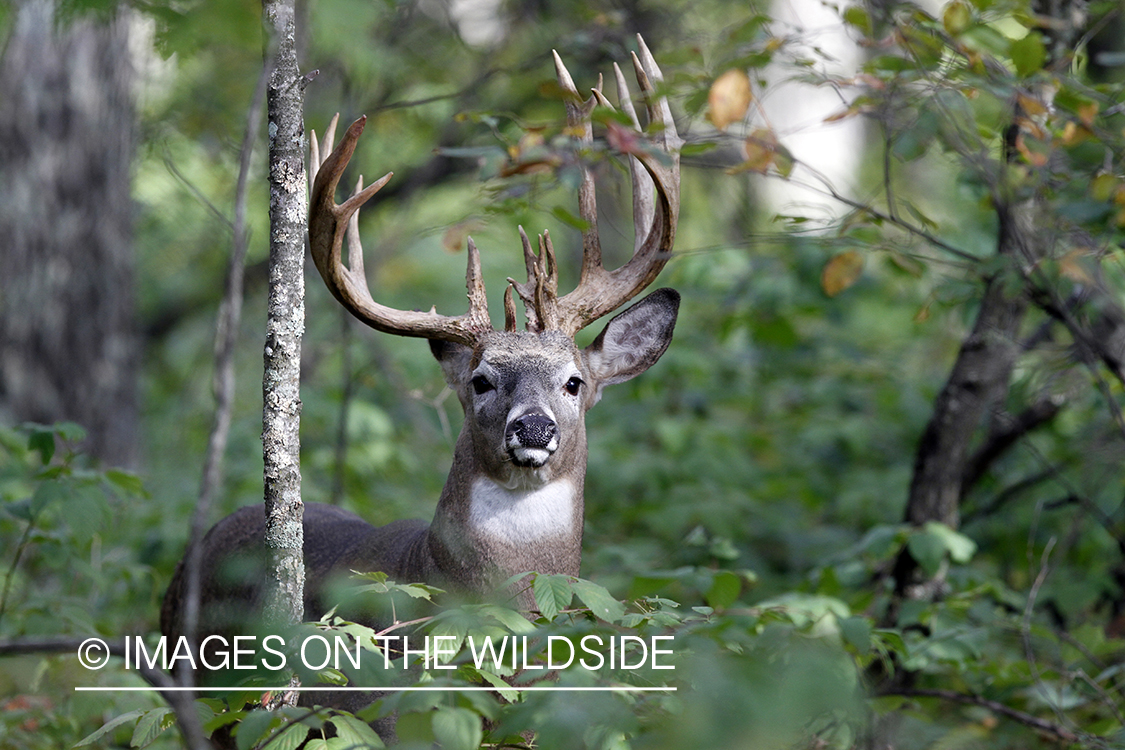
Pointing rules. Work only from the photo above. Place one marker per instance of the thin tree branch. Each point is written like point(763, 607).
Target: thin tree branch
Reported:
point(1047, 727)
point(341, 458)
point(1008, 494)
point(182, 703)
point(1006, 431)
point(226, 337)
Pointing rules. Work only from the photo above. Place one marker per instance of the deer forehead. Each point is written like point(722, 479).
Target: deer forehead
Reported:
point(522, 353)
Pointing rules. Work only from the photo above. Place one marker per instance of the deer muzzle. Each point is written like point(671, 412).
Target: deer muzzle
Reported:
point(531, 439)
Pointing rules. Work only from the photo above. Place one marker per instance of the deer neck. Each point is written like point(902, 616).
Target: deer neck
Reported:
point(491, 525)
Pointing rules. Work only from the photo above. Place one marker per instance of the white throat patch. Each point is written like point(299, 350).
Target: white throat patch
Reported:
point(518, 516)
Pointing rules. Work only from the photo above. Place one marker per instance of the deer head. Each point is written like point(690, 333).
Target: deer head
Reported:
point(519, 463)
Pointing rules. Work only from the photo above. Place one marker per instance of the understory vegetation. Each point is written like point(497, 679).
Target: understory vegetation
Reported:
point(874, 493)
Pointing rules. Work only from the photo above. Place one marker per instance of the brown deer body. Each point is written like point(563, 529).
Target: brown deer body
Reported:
point(513, 502)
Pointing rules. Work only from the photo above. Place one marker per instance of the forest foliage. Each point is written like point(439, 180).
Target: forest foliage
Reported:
point(756, 495)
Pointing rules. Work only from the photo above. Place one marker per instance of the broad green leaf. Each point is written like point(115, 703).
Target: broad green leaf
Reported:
point(856, 16)
point(507, 692)
point(960, 547)
point(151, 725)
point(44, 442)
point(509, 618)
point(457, 729)
point(254, 728)
point(289, 738)
point(857, 633)
point(724, 591)
point(600, 601)
point(109, 726)
point(355, 732)
point(1028, 54)
point(927, 549)
point(552, 594)
point(126, 481)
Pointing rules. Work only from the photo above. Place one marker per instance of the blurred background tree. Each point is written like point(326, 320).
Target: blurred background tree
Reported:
point(883, 455)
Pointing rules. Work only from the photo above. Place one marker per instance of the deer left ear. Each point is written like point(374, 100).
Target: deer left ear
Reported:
point(454, 360)
point(633, 340)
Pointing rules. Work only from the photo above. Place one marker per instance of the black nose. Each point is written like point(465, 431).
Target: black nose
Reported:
point(534, 430)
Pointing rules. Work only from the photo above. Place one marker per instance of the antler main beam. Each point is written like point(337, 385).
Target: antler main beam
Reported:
point(656, 205)
point(328, 223)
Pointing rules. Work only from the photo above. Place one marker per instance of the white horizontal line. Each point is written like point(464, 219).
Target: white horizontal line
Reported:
point(415, 688)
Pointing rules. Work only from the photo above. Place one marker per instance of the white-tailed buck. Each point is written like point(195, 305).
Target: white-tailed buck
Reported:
point(513, 502)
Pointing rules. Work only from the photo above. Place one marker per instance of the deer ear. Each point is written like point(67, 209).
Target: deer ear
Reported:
point(633, 340)
point(454, 360)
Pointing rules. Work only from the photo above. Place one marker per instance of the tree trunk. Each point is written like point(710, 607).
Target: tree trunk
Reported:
point(285, 315)
point(68, 349)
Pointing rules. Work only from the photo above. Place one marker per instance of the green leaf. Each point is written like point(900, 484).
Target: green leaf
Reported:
point(857, 633)
point(291, 738)
point(457, 729)
point(1028, 54)
point(126, 481)
point(150, 726)
point(509, 618)
point(506, 691)
point(859, 18)
point(724, 591)
point(355, 732)
point(416, 590)
point(254, 728)
point(566, 217)
point(927, 549)
point(960, 547)
point(599, 600)
point(552, 594)
point(69, 431)
point(109, 726)
point(44, 442)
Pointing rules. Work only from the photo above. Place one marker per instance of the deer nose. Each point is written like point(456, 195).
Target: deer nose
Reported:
point(533, 430)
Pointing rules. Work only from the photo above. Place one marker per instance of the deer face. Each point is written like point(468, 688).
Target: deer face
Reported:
point(525, 395)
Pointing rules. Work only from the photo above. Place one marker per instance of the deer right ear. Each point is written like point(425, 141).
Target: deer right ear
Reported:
point(454, 360)
point(633, 340)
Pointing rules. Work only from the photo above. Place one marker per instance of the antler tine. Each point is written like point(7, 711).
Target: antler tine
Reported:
point(578, 121)
point(644, 201)
point(355, 246)
point(315, 150)
point(328, 223)
point(656, 203)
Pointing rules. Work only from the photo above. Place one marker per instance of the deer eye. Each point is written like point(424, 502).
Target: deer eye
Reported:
point(481, 385)
point(573, 385)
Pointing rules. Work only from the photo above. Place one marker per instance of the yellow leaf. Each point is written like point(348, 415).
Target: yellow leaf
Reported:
point(923, 313)
point(956, 18)
point(1070, 266)
point(1034, 158)
point(729, 98)
point(1030, 105)
point(457, 235)
point(761, 151)
point(1103, 187)
point(841, 272)
point(1087, 113)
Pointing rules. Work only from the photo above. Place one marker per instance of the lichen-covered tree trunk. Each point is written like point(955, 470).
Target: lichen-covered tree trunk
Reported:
point(68, 347)
point(285, 315)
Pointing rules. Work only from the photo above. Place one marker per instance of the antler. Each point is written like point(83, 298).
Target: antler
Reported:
point(656, 207)
point(328, 223)
point(600, 291)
